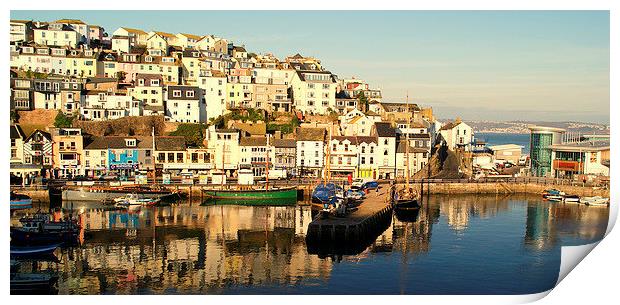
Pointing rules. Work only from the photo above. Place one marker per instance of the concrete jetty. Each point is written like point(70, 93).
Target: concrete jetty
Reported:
point(353, 233)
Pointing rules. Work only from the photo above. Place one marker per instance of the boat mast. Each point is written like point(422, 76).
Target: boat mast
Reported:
point(407, 146)
point(267, 165)
point(328, 156)
point(223, 170)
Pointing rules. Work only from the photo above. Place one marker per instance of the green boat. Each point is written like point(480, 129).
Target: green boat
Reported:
point(253, 195)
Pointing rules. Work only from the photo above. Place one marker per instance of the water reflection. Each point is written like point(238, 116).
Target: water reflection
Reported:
point(456, 244)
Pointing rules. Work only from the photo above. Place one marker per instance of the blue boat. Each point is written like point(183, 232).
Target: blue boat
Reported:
point(20, 201)
point(33, 250)
point(324, 193)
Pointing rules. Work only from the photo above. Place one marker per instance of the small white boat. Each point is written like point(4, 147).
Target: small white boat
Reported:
point(595, 201)
point(133, 200)
point(571, 199)
point(555, 198)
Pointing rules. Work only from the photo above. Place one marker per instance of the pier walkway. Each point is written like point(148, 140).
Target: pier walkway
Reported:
point(353, 233)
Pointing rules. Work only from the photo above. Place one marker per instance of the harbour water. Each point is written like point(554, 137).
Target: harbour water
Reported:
point(462, 244)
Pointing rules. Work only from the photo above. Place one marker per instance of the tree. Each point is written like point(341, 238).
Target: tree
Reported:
point(194, 134)
point(362, 100)
point(14, 116)
point(63, 120)
point(120, 75)
point(108, 130)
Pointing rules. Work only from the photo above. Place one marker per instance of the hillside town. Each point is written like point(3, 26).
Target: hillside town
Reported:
point(146, 161)
point(292, 116)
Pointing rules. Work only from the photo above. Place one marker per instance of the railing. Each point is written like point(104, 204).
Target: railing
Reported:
point(180, 182)
point(534, 180)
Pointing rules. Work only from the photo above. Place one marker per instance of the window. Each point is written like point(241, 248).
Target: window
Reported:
point(371, 160)
point(87, 153)
point(176, 93)
point(189, 94)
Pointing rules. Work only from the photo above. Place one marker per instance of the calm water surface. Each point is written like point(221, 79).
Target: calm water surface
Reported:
point(458, 245)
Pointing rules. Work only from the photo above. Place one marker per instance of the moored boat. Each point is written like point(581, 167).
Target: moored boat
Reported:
point(595, 201)
point(135, 200)
point(100, 193)
point(251, 193)
point(33, 283)
point(33, 250)
point(554, 198)
point(553, 194)
point(571, 199)
point(40, 229)
point(20, 201)
point(324, 193)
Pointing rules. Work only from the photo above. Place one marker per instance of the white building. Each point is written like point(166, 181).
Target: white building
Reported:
point(386, 149)
point(101, 105)
point(224, 146)
point(213, 83)
point(314, 92)
point(457, 134)
point(310, 151)
point(185, 104)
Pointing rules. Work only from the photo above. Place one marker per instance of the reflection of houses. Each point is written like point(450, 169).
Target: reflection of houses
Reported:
point(186, 249)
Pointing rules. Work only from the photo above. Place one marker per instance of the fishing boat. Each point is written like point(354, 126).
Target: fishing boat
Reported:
point(324, 193)
point(33, 250)
point(250, 192)
point(20, 201)
point(552, 193)
point(405, 200)
point(103, 193)
point(33, 283)
point(40, 229)
point(135, 200)
point(594, 201)
point(253, 194)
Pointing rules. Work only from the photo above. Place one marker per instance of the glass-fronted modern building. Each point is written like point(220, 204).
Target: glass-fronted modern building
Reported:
point(541, 138)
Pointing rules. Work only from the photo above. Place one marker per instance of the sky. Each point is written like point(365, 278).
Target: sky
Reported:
point(477, 65)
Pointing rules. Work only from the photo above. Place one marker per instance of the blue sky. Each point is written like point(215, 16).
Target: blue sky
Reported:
point(497, 65)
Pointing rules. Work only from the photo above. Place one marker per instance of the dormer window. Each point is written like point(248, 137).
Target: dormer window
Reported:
point(88, 53)
point(154, 82)
point(130, 142)
point(148, 58)
point(176, 93)
point(74, 53)
point(141, 82)
point(195, 54)
point(189, 93)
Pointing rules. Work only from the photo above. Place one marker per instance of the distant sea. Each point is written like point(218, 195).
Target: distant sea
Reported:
point(506, 138)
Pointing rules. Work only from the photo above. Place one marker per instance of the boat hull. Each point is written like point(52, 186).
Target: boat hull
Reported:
point(21, 204)
point(33, 283)
point(21, 237)
point(84, 194)
point(258, 195)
